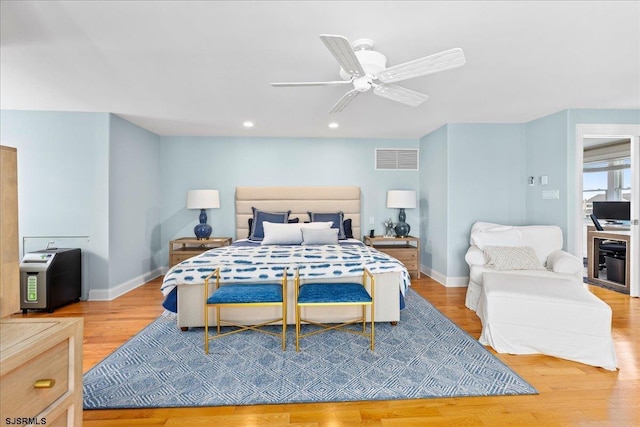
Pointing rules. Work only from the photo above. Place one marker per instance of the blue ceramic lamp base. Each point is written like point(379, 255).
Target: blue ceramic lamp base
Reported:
point(402, 228)
point(202, 230)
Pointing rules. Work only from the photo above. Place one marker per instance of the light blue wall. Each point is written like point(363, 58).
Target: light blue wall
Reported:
point(485, 167)
point(223, 163)
point(134, 203)
point(546, 154)
point(486, 183)
point(433, 200)
point(551, 151)
point(63, 178)
point(96, 175)
point(470, 172)
point(588, 116)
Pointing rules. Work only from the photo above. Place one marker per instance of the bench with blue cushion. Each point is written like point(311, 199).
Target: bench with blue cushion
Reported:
point(319, 294)
point(244, 295)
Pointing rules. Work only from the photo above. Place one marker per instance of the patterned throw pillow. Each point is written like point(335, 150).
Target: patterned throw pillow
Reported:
point(512, 258)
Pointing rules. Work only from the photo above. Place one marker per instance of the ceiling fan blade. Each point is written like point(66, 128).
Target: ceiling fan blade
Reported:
point(344, 101)
point(294, 84)
point(400, 94)
point(341, 49)
point(422, 66)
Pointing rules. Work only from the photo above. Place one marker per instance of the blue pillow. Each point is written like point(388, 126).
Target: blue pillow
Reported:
point(348, 230)
point(336, 217)
point(257, 229)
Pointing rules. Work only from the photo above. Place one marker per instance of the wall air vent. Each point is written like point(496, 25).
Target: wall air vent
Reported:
point(397, 159)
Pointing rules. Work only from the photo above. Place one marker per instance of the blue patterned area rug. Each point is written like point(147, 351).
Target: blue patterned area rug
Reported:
point(424, 356)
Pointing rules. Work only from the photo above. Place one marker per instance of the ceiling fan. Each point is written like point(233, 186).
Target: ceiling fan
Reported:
point(364, 68)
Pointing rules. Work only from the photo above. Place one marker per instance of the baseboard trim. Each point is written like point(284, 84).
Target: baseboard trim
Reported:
point(121, 289)
point(449, 282)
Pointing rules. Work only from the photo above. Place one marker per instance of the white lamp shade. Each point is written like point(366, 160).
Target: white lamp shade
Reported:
point(203, 199)
point(405, 199)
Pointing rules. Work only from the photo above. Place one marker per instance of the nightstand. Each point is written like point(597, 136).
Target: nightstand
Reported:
point(404, 249)
point(187, 247)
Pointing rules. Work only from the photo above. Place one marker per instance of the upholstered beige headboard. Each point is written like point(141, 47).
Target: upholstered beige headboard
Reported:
point(299, 200)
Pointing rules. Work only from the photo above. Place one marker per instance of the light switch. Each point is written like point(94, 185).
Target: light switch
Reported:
point(550, 194)
point(544, 180)
point(371, 220)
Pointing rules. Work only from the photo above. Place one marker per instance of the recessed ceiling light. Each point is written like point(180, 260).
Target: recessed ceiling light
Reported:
point(248, 124)
point(333, 125)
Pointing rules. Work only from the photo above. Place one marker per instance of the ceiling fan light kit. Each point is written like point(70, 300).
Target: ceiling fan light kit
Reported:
point(365, 68)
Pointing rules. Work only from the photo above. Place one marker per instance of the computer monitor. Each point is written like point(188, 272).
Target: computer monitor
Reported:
point(612, 211)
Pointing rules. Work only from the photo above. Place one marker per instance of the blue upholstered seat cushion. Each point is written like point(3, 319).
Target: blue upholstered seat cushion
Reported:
point(250, 293)
point(333, 293)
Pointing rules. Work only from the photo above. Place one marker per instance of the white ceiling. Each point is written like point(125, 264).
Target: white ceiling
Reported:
point(202, 68)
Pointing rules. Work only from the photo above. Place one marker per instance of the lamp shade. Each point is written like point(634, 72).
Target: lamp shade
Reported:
point(405, 199)
point(203, 199)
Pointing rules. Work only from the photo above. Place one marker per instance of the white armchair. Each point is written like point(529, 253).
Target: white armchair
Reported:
point(529, 296)
point(545, 240)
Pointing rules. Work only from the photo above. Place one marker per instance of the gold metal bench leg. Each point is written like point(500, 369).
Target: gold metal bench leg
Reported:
point(215, 273)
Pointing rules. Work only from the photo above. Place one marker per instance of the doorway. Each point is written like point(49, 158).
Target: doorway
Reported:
point(589, 137)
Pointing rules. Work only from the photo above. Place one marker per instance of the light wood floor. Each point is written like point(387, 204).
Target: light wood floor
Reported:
point(571, 394)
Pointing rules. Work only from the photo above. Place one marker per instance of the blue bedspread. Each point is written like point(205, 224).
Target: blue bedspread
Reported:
point(252, 263)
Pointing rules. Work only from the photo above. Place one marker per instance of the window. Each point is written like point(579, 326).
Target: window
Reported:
point(605, 180)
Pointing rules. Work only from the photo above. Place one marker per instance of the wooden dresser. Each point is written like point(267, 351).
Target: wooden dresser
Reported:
point(41, 371)
point(404, 249)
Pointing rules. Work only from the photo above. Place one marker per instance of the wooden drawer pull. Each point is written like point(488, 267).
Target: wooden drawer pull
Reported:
point(44, 383)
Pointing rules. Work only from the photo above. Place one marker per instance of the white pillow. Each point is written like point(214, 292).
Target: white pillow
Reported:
point(327, 236)
point(562, 262)
point(512, 258)
point(288, 234)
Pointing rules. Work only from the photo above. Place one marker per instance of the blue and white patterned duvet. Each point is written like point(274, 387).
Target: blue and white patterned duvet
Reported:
point(258, 263)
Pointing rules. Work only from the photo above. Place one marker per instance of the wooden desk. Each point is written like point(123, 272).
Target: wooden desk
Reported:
point(593, 254)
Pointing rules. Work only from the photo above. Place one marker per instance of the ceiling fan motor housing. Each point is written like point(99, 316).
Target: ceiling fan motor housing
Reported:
point(372, 63)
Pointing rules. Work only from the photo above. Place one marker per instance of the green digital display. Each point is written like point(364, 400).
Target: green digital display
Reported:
point(32, 288)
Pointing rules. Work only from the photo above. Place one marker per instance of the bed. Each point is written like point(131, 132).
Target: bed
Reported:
point(248, 261)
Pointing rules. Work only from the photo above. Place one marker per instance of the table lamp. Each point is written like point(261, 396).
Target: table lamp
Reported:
point(403, 199)
point(203, 199)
